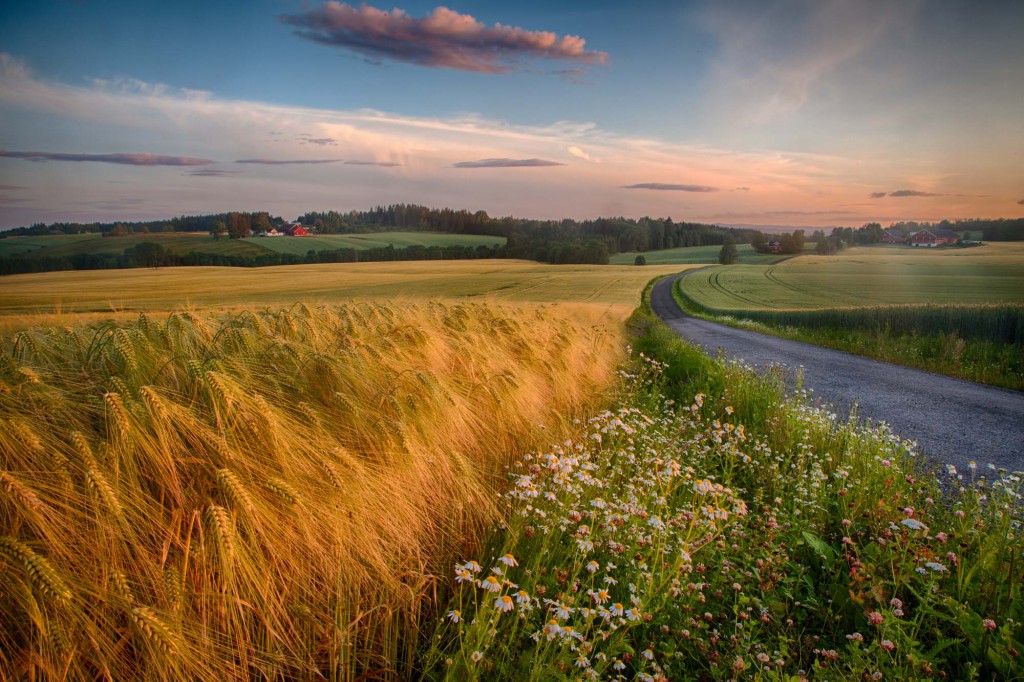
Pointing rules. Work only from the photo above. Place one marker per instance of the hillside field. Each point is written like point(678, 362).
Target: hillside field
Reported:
point(181, 243)
point(26, 297)
point(695, 254)
point(866, 276)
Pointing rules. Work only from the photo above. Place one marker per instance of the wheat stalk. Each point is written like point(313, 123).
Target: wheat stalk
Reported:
point(154, 629)
point(235, 490)
point(19, 490)
point(223, 529)
point(41, 574)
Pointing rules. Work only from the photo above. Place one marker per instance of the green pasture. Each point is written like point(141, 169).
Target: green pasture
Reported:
point(181, 243)
point(372, 240)
point(993, 273)
point(17, 246)
point(694, 254)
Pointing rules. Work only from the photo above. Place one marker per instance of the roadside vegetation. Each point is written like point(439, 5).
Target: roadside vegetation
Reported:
point(275, 494)
point(710, 527)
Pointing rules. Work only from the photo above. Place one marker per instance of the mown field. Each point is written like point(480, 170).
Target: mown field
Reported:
point(993, 273)
point(182, 243)
point(694, 254)
point(954, 312)
point(28, 299)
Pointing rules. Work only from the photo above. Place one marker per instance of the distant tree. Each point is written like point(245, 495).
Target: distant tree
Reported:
point(147, 254)
point(219, 229)
point(728, 254)
point(827, 246)
point(262, 222)
point(119, 230)
point(239, 225)
point(759, 242)
point(640, 260)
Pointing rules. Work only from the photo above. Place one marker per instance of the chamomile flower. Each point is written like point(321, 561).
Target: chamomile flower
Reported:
point(508, 560)
point(455, 615)
point(504, 603)
point(491, 584)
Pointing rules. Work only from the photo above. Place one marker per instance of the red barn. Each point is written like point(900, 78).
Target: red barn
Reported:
point(934, 237)
point(296, 230)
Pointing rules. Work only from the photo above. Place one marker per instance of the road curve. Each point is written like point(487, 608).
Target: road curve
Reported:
point(953, 421)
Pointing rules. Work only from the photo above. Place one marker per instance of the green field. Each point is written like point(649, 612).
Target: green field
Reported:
point(993, 273)
point(60, 246)
point(694, 254)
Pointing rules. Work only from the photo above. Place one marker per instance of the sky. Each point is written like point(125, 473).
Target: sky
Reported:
point(766, 112)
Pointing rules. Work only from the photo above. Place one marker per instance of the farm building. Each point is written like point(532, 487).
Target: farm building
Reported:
point(934, 237)
point(296, 230)
point(272, 232)
point(893, 236)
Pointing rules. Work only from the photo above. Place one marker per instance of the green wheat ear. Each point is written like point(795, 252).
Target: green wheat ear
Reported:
point(38, 569)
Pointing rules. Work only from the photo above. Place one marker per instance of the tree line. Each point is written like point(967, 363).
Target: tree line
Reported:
point(152, 254)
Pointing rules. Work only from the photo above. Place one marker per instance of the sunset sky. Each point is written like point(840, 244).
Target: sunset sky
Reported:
point(801, 113)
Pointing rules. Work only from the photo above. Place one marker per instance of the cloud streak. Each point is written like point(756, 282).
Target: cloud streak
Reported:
point(381, 164)
point(210, 173)
point(287, 162)
point(122, 159)
point(507, 163)
point(901, 193)
point(443, 38)
point(664, 187)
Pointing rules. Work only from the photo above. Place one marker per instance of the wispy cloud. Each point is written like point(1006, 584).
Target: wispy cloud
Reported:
point(322, 141)
point(210, 173)
point(10, 188)
point(904, 193)
point(661, 186)
point(382, 164)
point(443, 38)
point(122, 159)
point(580, 154)
point(793, 53)
point(286, 162)
point(506, 163)
point(1021, 202)
point(740, 189)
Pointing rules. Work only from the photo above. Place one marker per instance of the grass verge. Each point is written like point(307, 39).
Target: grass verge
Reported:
point(711, 527)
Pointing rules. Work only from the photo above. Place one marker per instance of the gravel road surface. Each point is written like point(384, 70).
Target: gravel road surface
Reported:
point(952, 421)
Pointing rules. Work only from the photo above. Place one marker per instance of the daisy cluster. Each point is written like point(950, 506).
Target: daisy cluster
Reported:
point(613, 524)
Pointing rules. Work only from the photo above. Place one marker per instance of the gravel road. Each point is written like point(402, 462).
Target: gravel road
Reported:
point(952, 421)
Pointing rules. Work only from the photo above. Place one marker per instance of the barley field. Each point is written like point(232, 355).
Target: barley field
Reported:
point(270, 494)
point(72, 297)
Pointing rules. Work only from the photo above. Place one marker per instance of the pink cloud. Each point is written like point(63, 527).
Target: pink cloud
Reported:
point(443, 38)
